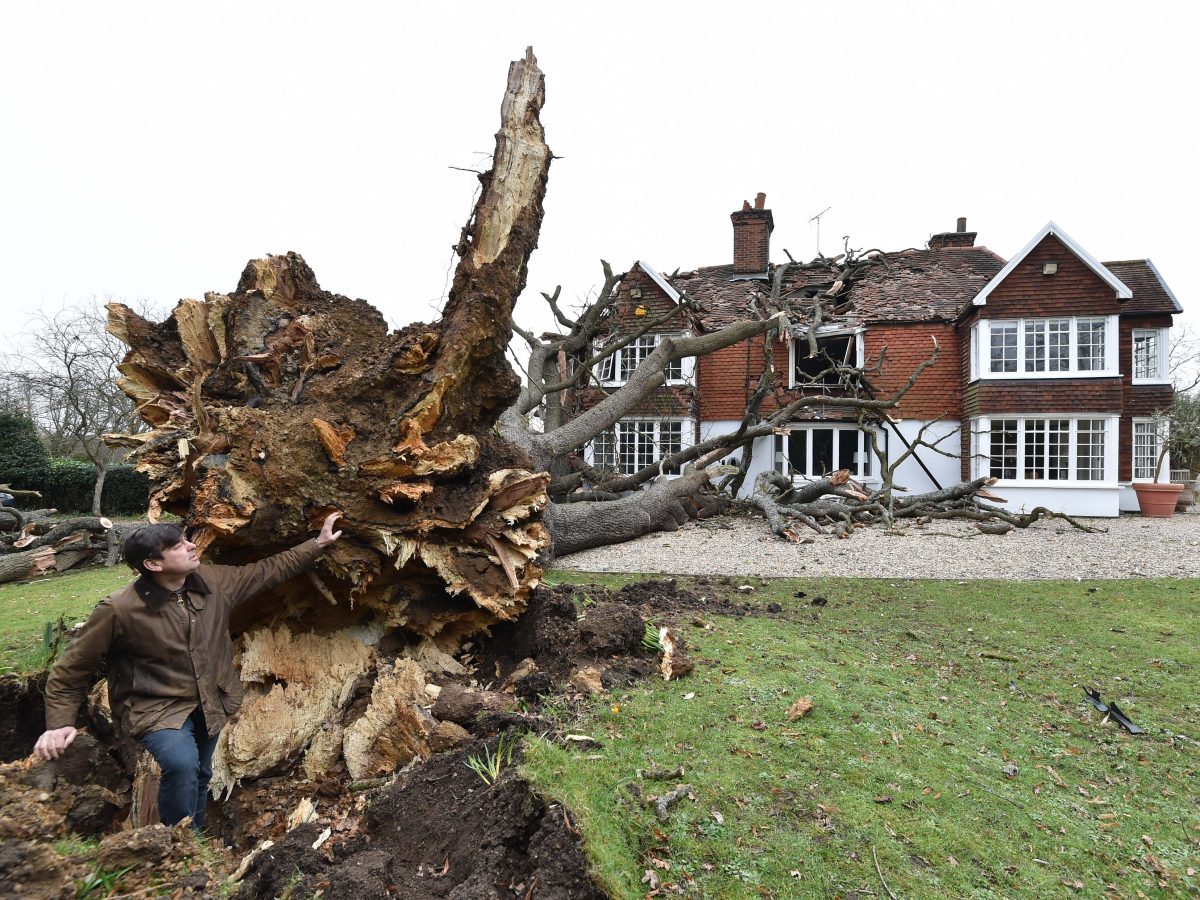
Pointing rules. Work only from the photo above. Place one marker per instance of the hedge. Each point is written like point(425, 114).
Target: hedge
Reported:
point(69, 484)
point(23, 459)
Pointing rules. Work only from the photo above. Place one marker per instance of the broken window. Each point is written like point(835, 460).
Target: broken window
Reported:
point(838, 351)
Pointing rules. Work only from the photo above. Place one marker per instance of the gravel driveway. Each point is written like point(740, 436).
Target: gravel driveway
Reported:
point(1131, 547)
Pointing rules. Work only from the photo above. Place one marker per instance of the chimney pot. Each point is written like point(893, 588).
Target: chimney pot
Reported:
point(760, 202)
point(962, 224)
point(745, 206)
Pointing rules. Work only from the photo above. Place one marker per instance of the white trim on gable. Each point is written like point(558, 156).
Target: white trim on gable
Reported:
point(1123, 292)
point(660, 281)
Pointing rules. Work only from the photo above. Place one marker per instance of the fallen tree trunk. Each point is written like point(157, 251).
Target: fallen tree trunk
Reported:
point(279, 402)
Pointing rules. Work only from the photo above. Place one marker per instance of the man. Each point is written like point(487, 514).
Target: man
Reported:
point(171, 679)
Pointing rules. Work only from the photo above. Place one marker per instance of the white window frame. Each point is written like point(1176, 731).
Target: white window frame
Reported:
point(628, 430)
point(981, 446)
point(613, 371)
point(802, 340)
point(1159, 373)
point(981, 349)
point(782, 463)
point(1154, 428)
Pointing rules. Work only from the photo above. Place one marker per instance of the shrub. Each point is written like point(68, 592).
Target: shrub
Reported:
point(69, 484)
point(23, 460)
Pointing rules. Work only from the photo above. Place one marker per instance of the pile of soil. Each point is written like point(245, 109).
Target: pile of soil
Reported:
point(435, 830)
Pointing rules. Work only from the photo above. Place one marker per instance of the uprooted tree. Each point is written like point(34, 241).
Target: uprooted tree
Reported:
point(564, 405)
point(271, 406)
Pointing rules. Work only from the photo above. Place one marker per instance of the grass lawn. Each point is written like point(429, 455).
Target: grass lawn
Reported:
point(26, 609)
point(966, 776)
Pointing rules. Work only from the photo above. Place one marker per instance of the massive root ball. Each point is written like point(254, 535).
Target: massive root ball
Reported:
point(279, 402)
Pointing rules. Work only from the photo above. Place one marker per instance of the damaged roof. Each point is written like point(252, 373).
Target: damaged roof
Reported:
point(905, 286)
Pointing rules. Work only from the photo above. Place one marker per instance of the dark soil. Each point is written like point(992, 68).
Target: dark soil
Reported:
point(439, 831)
point(22, 715)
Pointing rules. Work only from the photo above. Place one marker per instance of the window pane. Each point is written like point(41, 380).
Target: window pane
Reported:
point(848, 450)
point(1058, 449)
point(670, 441)
point(1091, 344)
point(1004, 448)
point(604, 449)
point(1004, 346)
point(1089, 457)
point(1145, 354)
point(1058, 345)
point(1035, 346)
point(822, 451)
point(798, 452)
point(1145, 449)
point(633, 354)
point(1035, 449)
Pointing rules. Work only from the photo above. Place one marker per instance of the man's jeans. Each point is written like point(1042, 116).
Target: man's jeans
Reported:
point(185, 757)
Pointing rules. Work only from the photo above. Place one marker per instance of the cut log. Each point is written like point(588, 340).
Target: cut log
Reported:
point(28, 564)
point(279, 402)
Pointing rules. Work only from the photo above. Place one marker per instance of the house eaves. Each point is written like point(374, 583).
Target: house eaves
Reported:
point(1123, 292)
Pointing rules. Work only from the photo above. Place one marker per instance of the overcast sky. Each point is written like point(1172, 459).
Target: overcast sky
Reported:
point(147, 151)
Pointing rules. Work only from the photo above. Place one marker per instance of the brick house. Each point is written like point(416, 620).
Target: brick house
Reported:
point(1050, 365)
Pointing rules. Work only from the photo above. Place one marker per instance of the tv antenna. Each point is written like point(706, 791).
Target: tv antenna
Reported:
point(817, 219)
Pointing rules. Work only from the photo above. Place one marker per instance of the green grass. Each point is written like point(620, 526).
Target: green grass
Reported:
point(904, 753)
point(26, 609)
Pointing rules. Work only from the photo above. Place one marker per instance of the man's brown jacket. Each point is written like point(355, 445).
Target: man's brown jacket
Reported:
point(167, 651)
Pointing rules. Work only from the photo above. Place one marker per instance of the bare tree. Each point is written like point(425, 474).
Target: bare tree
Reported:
point(66, 377)
point(1183, 359)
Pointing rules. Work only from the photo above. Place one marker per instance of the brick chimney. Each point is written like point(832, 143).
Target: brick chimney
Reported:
point(752, 237)
point(958, 238)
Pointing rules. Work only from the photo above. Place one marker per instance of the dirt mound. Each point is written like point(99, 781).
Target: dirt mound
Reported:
point(438, 832)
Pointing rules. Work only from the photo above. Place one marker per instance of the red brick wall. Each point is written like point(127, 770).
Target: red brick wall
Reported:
point(938, 390)
point(727, 378)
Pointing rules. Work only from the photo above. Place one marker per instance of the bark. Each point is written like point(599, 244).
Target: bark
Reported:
point(274, 404)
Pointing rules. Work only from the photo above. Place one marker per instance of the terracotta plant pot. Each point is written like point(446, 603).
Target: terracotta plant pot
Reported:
point(1157, 498)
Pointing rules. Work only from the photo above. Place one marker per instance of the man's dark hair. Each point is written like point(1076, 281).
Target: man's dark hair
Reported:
point(149, 542)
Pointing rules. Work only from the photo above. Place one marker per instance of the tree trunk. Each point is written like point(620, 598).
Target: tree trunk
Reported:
point(663, 506)
point(98, 490)
point(275, 404)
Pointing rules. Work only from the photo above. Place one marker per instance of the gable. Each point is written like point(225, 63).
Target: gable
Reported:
point(1052, 241)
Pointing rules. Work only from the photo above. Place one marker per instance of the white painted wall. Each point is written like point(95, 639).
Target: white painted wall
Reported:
point(764, 449)
point(947, 470)
point(1105, 502)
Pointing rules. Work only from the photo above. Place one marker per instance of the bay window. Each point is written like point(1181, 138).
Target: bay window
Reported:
point(633, 444)
point(1045, 448)
point(1044, 347)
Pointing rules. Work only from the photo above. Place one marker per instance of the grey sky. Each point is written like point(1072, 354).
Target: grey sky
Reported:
point(150, 150)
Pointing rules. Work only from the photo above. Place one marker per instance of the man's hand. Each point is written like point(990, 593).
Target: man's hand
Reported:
point(53, 743)
point(328, 535)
